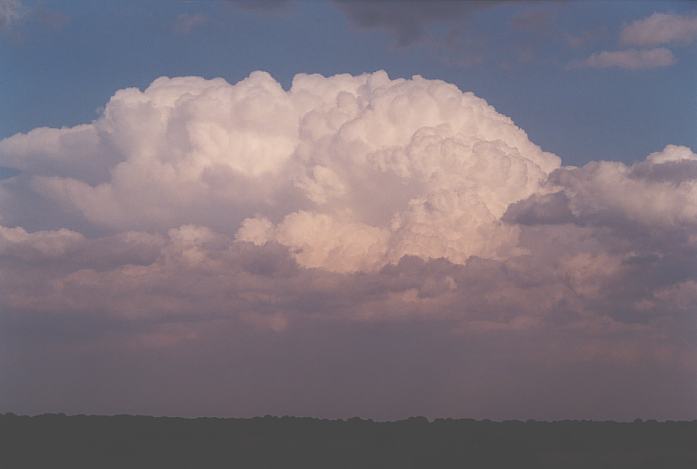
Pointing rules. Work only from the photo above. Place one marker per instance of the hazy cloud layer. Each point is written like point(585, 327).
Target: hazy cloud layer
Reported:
point(217, 221)
point(407, 20)
point(261, 5)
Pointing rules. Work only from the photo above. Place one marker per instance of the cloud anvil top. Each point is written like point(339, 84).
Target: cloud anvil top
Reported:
point(197, 205)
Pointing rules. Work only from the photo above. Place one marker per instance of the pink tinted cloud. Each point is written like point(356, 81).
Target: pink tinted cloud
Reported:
point(248, 230)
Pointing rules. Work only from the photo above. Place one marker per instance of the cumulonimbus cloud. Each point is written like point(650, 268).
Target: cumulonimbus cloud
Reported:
point(401, 167)
point(348, 198)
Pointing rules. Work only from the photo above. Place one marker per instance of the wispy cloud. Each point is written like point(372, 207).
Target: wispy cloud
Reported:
point(587, 37)
point(660, 28)
point(630, 59)
point(533, 21)
point(11, 11)
point(185, 23)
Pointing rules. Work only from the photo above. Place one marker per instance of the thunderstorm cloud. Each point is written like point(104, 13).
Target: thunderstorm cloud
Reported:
point(196, 209)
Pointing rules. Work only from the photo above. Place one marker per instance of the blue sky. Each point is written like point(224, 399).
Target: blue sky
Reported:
point(61, 61)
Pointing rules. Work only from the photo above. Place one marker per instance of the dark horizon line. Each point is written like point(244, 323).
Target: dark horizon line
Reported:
point(413, 419)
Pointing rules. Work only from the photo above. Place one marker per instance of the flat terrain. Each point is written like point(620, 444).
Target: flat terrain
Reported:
point(57, 441)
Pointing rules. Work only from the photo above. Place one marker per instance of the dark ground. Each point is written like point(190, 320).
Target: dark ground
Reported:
point(58, 441)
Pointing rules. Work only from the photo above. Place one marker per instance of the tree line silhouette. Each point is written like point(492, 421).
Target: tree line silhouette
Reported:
point(123, 441)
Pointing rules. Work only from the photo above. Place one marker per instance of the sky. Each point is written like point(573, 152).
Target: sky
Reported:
point(345, 208)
